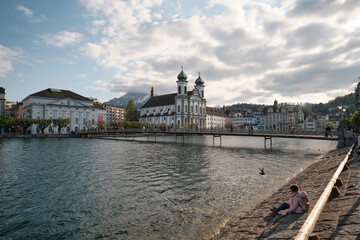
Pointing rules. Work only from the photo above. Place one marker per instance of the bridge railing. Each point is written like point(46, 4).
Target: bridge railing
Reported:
point(213, 130)
point(312, 219)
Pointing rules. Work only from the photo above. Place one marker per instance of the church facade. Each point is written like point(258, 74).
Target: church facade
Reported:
point(180, 109)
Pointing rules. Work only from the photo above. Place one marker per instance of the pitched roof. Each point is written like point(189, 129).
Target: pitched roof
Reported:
point(162, 100)
point(214, 111)
point(59, 93)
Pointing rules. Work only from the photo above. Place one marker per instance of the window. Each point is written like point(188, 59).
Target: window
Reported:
point(186, 108)
point(76, 121)
point(178, 108)
point(179, 90)
point(202, 93)
point(185, 90)
point(196, 108)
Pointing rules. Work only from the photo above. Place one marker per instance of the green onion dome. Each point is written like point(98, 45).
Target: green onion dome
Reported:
point(199, 81)
point(182, 76)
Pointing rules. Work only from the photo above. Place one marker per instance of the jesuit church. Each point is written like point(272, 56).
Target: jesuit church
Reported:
point(177, 109)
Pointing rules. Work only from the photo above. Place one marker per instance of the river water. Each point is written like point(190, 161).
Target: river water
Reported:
point(106, 189)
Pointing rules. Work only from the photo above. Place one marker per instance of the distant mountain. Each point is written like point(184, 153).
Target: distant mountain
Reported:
point(139, 98)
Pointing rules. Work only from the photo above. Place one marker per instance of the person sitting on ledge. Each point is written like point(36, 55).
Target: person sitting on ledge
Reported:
point(296, 203)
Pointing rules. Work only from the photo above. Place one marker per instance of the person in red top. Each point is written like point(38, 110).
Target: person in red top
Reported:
point(295, 205)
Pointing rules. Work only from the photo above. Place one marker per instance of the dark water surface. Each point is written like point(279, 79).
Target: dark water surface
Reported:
point(105, 189)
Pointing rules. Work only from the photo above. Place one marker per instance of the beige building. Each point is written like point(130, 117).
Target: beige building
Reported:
point(114, 113)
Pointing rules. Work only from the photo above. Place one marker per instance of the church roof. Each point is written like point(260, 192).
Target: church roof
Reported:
point(59, 93)
point(162, 100)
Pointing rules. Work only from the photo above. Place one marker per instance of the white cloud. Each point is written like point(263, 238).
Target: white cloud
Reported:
point(28, 13)
point(252, 51)
point(62, 39)
point(7, 58)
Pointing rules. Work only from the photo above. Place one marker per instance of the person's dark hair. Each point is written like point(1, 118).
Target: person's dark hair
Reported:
point(294, 188)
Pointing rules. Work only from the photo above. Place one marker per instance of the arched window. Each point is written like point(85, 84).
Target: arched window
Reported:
point(202, 92)
point(179, 89)
point(192, 109)
point(185, 90)
point(178, 108)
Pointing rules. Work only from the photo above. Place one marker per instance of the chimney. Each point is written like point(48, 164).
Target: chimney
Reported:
point(152, 92)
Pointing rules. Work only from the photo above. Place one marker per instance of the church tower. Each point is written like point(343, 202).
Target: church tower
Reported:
point(181, 99)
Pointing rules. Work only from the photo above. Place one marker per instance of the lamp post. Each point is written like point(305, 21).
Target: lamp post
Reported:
point(340, 127)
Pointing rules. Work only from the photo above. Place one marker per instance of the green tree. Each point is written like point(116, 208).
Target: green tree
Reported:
point(60, 123)
point(355, 120)
point(131, 113)
point(42, 124)
point(330, 124)
point(350, 110)
point(6, 122)
point(24, 123)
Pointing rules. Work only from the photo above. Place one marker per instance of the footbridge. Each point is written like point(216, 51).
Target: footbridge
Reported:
point(268, 136)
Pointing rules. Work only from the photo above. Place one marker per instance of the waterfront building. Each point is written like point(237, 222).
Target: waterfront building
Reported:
point(277, 117)
point(183, 108)
point(2, 101)
point(320, 123)
point(215, 118)
point(18, 110)
point(238, 118)
point(57, 103)
point(260, 120)
point(310, 122)
point(9, 108)
point(296, 118)
point(114, 113)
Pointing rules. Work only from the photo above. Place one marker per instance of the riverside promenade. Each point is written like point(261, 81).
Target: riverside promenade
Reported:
point(340, 218)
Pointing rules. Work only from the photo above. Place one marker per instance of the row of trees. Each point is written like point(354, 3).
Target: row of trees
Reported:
point(23, 124)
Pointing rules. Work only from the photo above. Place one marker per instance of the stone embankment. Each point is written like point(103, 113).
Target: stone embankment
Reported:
point(340, 218)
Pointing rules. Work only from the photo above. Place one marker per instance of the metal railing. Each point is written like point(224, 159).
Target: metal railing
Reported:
point(312, 219)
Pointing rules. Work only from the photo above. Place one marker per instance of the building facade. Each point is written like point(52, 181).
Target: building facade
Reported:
point(183, 108)
point(2, 101)
point(114, 113)
point(55, 103)
point(215, 118)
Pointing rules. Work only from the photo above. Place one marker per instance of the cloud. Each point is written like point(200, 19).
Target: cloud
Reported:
point(62, 39)
point(7, 58)
point(249, 51)
point(28, 13)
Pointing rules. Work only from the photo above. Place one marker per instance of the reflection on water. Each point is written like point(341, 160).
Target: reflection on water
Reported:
point(88, 188)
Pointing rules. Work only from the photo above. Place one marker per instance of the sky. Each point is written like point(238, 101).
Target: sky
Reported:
point(294, 51)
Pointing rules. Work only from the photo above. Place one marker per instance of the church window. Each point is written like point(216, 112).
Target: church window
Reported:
point(185, 90)
point(179, 90)
point(186, 108)
point(178, 108)
point(192, 109)
point(202, 93)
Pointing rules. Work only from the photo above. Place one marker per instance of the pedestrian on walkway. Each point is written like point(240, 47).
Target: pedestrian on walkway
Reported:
point(296, 205)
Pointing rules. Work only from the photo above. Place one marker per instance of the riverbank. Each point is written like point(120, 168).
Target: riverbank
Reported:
point(37, 135)
point(340, 218)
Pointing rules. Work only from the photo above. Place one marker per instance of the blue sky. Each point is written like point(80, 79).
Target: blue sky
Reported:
point(247, 51)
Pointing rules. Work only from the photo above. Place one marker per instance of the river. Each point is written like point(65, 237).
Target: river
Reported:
point(106, 189)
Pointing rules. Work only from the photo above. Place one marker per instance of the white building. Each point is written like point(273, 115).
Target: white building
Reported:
point(114, 113)
point(215, 118)
point(238, 119)
point(277, 117)
point(55, 103)
point(310, 122)
point(177, 109)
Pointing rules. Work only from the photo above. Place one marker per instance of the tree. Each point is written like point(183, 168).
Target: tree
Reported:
point(6, 122)
point(115, 124)
point(355, 120)
point(42, 124)
point(350, 110)
point(330, 124)
point(101, 124)
point(24, 123)
point(61, 123)
point(131, 113)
